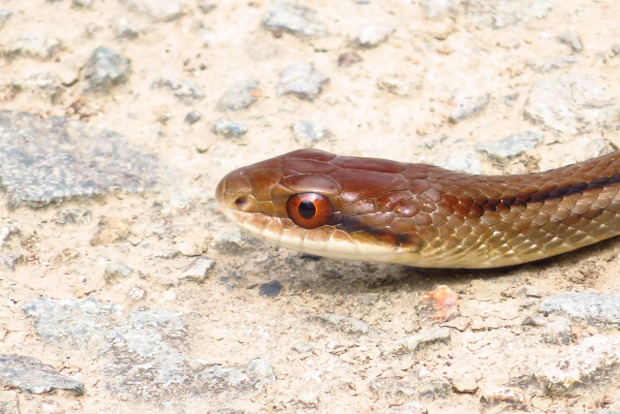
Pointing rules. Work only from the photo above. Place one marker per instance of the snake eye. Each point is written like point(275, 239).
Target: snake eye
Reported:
point(309, 210)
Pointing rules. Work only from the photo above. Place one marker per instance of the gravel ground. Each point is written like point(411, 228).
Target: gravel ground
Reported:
point(124, 289)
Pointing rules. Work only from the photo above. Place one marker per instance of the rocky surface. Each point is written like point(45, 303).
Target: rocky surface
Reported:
point(122, 281)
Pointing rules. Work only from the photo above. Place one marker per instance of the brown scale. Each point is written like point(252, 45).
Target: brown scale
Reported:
point(426, 210)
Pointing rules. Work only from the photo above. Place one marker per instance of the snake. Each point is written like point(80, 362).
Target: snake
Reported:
point(421, 215)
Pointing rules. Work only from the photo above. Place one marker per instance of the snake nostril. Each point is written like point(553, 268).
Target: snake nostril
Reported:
point(241, 202)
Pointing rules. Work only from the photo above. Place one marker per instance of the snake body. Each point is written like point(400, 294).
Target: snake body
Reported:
point(422, 215)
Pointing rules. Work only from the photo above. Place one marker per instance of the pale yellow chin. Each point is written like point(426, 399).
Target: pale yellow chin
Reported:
point(336, 244)
point(326, 241)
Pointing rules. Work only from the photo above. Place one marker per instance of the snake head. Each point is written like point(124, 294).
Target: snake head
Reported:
point(314, 201)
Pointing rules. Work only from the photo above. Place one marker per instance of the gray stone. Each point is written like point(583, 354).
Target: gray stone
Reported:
point(513, 145)
point(125, 29)
point(144, 352)
point(308, 133)
point(605, 411)
point(580, 366)
point(615, 49)
point(594, 308)
point(436, 9)
point(43, 84)
point(270, 289)
point(469, 107)
point(73, 216)
point(106, 68)
point(69, 322)
point(545, 66)
point(302, 347)
point(241, 95)
point(293, 18)
point(160, 10)
point(348, 59)
point(371, 36)
point(30, 45)
point(302, 80)
point(534, 321)
point(557, 332)
point(571, 39)
point(49, 160)
point(343, 323)
point(572, 103)
point(5, 15)
point(198, 270)
point(148, 363)
point(465, 161)
point(30, 375)
point(10, 260)
point(115, 272)
point(424, 338)
point(192, 117)
point(186, 91)
point(207, 6)
point(167, 254)
point(230, 128)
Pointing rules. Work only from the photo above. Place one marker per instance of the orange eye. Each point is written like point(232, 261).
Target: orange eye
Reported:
point(309, 210)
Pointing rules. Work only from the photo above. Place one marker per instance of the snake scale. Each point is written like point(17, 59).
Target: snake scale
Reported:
point(422, 215)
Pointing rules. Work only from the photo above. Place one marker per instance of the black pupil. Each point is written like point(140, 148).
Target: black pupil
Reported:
point(307, 209)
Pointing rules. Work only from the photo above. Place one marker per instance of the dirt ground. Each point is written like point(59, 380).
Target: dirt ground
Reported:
point(465, 53)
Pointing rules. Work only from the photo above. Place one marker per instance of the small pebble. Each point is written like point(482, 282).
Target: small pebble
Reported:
point(187, 91)
point(198, 270)
point(616, 49)
point(270, 289)
point(192, 117)
point(241, 95)
point(114, 272)
point(284, 16)
point(371, 36)
point(230, 128)
point(125, 29)
point(106, 68)
point(348, 59)
point(469, 108)
point(308, 133)
point(302, 347)
point(302, 80)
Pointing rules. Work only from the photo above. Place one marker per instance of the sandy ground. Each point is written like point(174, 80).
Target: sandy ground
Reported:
point(446, 59)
